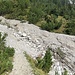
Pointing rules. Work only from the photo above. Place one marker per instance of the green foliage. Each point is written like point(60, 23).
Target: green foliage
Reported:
point(70, 28)
point(5, 54)
point(6, 7)
point(50, 26)
point(41, 66)
point(32, 62)
point(47, 26)
point(9, 51)
point(46, 62)
point(34, 15)
point(65, 72)
point(38, 10)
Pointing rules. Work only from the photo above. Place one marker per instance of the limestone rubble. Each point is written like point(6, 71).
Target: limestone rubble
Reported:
point(33, 40)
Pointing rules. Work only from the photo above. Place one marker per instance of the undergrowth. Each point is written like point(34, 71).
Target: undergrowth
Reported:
point(6, 56)
point(32, 62)
point(41, 66)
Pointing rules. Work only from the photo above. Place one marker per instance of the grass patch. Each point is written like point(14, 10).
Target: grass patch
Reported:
point(6, 56)
point(32, 62)
point(46, 62)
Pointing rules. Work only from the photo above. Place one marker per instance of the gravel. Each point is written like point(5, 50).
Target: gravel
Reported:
point(29, 38)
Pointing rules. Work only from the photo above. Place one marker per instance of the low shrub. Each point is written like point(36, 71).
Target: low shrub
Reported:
point(5, 54)
point(32, 62)
point(45, 63)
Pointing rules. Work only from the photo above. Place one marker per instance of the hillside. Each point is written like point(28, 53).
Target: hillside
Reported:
point(33, 40)
point(43, 13)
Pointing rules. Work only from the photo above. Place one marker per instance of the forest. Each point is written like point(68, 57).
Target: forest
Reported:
point(51, 15)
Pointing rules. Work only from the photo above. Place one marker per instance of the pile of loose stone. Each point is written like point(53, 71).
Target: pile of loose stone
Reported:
point(62, 46)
